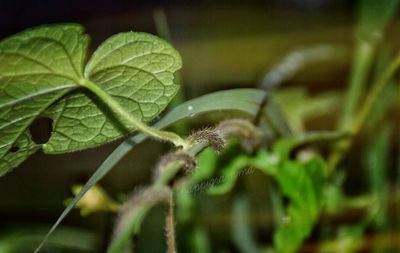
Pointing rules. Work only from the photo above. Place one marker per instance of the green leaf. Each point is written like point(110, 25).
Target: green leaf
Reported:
point(264, 161)
point(42, 68)
point(229, 175)
point(38, 66)
point(377, 155)
point(297, 105)
point(373, 17)
point(136, 69)
point(133, 214)
point(302, 184)
point(24, 147)
point(24, 239)
point(199, 241)
point(242, 233)
point(286, 145)
point(243, 100)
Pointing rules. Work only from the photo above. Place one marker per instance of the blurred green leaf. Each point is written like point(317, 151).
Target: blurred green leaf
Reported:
point(241, 230)
point(206, 166)
point(285, 146)
point(302, 184)
point(26, 238)
point(373, 16)
point(349, 239)
point(132, 216)
point(199, 240)
point(241, 165)
point(376, 164)
point(297, 105)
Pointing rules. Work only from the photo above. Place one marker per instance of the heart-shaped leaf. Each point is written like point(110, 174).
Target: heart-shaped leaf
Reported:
point(42, 74)
point(136, 69)
point(37, 67)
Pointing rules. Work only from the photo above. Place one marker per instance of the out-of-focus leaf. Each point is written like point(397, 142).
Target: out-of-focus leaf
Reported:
point(376, 164)
point(295, 60)
point(284, 146)
point(132, 215)
point(302, 184)
point(229, 175)
point(349, 240)
point(206, 166)
point(199, 240)
point(96, 200)
point(373, 16)
point(241, 165)
point(241, 230)
point(25, 239)
point(297, 105)
point(333, 192)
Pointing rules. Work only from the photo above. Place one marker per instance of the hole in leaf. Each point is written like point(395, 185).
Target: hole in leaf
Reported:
point(14, 149)
point(41, 130)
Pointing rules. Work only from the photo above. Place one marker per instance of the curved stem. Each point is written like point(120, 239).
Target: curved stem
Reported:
point(129, 121)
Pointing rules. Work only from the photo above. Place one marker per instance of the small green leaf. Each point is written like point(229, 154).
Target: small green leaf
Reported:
point(264, 161)
point(302, 184)
point(230, 173)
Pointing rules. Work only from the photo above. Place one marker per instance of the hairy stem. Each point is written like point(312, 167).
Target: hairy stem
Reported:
point(170, 225)
point(129, 121)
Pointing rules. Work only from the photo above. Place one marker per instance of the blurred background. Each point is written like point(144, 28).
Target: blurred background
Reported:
point(224, 44)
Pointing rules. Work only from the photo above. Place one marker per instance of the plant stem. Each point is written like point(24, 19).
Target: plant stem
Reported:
point(361, 116)
point(372, 96)
point(170, 225)
point(129, 121)
point(362, 63)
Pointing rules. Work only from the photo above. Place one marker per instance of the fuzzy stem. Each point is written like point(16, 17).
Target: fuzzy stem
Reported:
point(170, 225)
point(129, 121)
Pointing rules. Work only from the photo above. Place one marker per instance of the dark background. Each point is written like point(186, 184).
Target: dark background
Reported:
point(224, 44)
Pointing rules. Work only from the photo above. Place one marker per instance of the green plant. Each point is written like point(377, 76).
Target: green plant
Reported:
point(129, 80)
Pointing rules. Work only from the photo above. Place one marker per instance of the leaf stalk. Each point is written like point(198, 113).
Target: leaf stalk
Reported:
point(129, 121)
